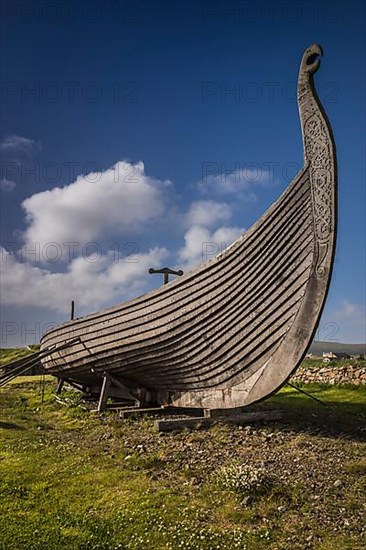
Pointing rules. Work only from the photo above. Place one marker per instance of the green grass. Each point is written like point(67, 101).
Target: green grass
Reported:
point(70, 479)
point(7, 355)
point(343, 399)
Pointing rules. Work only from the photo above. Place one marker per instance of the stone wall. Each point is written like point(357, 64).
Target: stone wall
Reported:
point(350, 374)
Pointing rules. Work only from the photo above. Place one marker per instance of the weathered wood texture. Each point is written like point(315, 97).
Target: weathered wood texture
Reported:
point(232, 331)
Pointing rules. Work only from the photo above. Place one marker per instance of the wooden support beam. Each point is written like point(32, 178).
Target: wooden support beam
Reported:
point(240, 419)
point(104, 393)
point(60, 385)
point(125, 391)
point(75, 385)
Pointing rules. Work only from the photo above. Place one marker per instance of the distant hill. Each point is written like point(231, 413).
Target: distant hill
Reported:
point(317, 348)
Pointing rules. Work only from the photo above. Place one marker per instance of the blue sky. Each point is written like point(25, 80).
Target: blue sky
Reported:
point(193, 104)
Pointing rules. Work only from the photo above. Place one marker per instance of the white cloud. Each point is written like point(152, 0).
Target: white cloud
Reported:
point(241, 182)
point(350, 311)
point(207, 213)
point(7, 185)
point(120, 199)
point(21, 144)
point(201, 244)
point(90, 284)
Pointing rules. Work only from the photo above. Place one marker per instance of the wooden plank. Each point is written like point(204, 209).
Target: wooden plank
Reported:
point(60, 384)
point(125, 391)
point(104, 394)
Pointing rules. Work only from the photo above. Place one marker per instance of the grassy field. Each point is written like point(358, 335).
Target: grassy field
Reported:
point(7, 355)
point(72, 479)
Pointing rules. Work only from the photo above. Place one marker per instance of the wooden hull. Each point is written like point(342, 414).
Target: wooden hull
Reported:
point(232, 331)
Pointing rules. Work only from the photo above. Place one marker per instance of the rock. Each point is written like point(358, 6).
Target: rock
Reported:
point(337, 483)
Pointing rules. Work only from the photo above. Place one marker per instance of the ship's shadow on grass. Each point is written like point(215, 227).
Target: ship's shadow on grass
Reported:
point(10, 426)
point(341, 413)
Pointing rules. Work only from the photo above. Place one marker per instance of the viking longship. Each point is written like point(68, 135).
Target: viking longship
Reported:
point(230, 332)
